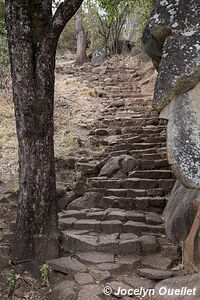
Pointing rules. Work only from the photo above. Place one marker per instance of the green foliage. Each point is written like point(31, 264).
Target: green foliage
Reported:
point(67, 39)
point(45, 272)
point(11, 281)
point(4, 59)
point(108, 19)
point(144, 9)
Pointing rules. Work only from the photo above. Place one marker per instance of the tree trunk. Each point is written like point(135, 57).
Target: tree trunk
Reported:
point(33, 33)
point(81, 41)
point(32, 68)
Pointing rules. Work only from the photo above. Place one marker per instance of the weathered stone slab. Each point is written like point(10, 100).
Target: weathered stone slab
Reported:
point(129, 246)
point(137, 282)
point(108, 243)
point(111, 267)
point(128, 262)
point(112, 226)
point(73, 242)
point(95, 257)
point(156, 262)
point(83, 278)
point(67, 265)
point(88, 224)
point(155, 274)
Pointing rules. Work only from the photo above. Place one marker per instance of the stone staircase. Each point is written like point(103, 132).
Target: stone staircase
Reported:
point(114, 233)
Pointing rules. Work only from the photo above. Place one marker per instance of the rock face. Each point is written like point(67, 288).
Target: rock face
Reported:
point(172, 39)
point(180, 212)
point(182, 222)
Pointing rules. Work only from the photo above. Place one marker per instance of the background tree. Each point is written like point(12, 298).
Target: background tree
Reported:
point(81, 39)
point(33, 33)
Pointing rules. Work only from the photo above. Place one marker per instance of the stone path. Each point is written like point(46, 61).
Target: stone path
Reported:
point(113, 233)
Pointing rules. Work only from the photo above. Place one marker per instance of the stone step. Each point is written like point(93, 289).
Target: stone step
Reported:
point(134, 146)
point(152, 174)
point(151, 164)
point(135, 153)
point(151, 156)
point(68, 219)
point(106, 184)
point(125, 192)
point(148, 203)
point(130, 240)
point(138, 130)
point(138, 183)
point(123, 122)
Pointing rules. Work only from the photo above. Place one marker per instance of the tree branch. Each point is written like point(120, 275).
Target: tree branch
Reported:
point(63, 14)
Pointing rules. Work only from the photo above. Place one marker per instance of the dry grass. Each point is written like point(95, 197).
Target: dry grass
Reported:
point(8, 140)
point(76, 103)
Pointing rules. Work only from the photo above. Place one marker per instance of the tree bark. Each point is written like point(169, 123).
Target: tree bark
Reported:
point(32, 36)
point(81, 41)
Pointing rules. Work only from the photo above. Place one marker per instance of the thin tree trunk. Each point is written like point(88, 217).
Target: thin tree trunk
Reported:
point(81, 41)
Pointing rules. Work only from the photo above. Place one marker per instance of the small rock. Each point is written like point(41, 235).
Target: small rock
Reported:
point(100, 276)
point(149, 244)
point(64, 201)
point(99, 70)
point(100, 132)
point(153, 218)
point(81, 188)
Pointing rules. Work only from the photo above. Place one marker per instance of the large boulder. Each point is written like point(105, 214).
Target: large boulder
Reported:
point(180, 212)
point(119, 166)
point(181, 287)
point(89, 200)
point(172, 39)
